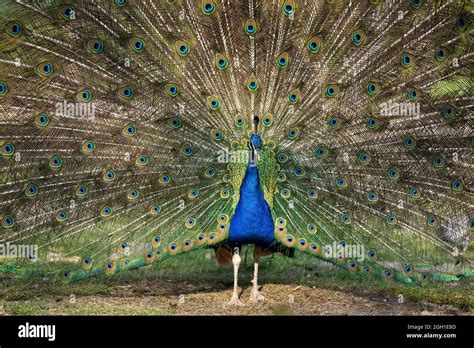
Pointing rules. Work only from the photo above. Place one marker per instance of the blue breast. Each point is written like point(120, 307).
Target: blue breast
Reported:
point(252, 222)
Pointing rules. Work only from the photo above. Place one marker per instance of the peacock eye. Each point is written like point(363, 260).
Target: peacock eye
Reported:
point(449, 112)
point(341, 183)
point(388, 274)
point(285, 193)
point(182, 47)
point(210, 172)
point(415, 192)
point(62, 216)
point(213, 103)
point(321, 152)
point(95, 46)
point(432, 220)
point(109, 176)
point(13, 28)
point(293, 133)
point(130, 130)
point(7, 149)
point(409, 142)
point(133, 194)
point(393, 173)
point(282, 158)
point(373, 123)
point(358, 38)
point(208, 7)
point(251, 27)
point(67, 12)
point(55, 162)
point(252, 84)
point(137, 44)
point(155, 209)
point(334, 122)
point(31, 190)
point(288, 7)
point(441, 54)
point(171, 89)
point(416, 4)
point(239, 121)
point(312, 193)
point(373, 88)
point(187, 150)
point(84, 95)
point(313, 45)
point(463, 22)
point(217, 135)
point(391, 219)
point(125, 92)
point(294, 96)
point(106, 211)
point(221, 61)
point(3, 89)
point(346, 219)
point(267, 120)
point(165, 179)
point(283, 60)
point(407, 60)
point(331, 90)
point(82, 190)
point(372, 197)
point(88, 147)
point(457, 185)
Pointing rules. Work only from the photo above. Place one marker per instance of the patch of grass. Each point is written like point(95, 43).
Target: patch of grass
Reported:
point(38, 307)
point(282, 309)
point(127, 293)
point(25, 307)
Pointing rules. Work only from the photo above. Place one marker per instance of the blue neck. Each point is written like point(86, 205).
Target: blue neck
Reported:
point(252, 222)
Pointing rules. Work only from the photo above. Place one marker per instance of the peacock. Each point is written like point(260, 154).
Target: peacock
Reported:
point(133, 131)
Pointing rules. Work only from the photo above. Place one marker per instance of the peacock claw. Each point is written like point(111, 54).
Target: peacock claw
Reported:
point(256, 296)
point(235, 301)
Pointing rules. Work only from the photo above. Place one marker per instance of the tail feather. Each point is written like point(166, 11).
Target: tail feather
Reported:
point(123, 124)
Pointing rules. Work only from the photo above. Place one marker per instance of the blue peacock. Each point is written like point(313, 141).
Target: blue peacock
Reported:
point(352, 122)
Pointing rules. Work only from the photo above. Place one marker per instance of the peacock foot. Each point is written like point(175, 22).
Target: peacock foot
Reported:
point(256, 296)
point(235, 301)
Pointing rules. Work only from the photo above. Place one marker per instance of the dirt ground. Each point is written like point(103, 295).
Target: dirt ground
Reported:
point(194, 299)
point(199, 286)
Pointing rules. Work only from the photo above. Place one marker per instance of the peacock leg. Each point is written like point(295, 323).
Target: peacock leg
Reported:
point(235, 295)
point(255, 295)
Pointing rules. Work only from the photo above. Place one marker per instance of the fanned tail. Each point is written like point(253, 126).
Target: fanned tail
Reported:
point(125, 126)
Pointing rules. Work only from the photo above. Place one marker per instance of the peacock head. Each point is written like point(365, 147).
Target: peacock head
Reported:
point(255, 142)
point(255, 145)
